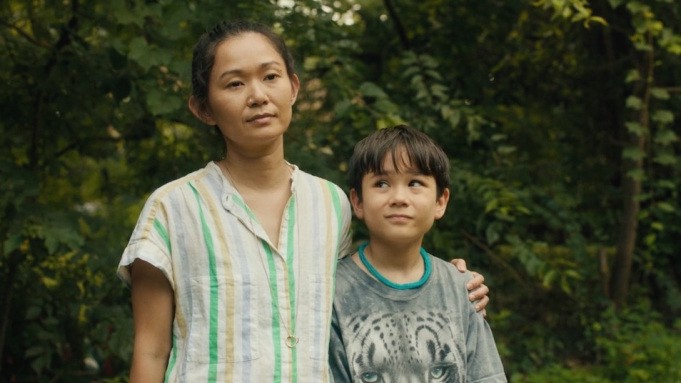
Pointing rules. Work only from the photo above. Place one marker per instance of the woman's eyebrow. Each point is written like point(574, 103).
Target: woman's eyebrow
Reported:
point(239, 71)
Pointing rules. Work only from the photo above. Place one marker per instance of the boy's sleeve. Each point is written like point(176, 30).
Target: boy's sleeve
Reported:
point(338, 361)
point(484, 363)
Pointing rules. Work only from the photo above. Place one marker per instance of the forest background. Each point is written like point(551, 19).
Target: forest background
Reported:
point(561, 119)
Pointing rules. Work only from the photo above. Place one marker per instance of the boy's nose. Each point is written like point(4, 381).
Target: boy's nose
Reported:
point(398, 196)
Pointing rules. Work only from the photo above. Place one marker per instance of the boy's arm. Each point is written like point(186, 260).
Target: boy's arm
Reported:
point(153, 310)
point(482, 359)
point(338, 361)
point(477, 289)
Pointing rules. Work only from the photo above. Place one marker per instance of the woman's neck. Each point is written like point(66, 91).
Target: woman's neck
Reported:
point(263, 173)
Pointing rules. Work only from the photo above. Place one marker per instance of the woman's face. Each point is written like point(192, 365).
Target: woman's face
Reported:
point(250, 94)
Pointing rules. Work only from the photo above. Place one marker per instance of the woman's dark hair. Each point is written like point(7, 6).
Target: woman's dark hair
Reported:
point(204, 52)
point(421, 151)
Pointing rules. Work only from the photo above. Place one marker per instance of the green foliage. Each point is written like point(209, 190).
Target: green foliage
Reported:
point(559, 374)
point(637, 348)
point(633, 346)
point(538, 104)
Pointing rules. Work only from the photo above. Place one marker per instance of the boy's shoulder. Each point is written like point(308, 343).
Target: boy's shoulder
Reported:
point(449, 270)
point(449, 279)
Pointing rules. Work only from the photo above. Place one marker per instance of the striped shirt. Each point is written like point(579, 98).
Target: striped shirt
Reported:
point(237, 296)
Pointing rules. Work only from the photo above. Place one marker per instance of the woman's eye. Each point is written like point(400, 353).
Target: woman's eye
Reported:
point(271, 76)
point(233, 84)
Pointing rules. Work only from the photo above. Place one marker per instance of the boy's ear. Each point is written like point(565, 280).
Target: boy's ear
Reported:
point(441, 204)
point(200, 111)
point(356, 202)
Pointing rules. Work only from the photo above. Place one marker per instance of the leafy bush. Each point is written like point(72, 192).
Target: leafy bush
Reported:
point(560, 374)
point(637, 347)
point(633, 346)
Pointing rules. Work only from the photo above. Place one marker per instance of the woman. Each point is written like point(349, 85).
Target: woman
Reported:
point(232, 266)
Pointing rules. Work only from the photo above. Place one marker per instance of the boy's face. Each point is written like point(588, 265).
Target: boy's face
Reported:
point(401, 205)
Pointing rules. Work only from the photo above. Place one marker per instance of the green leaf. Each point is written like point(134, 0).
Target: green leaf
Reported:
point(573, 274)
point(666, 159)
point(660, 93)
point(633, 153)
point(369, 89)
point(633, 75)
point(40, 363)
point(34, 351)
point(635, 128)
point(634, 102)
point(665, 137)
point(663, 116)
point(506, 149)
point(636, 174)
point(161, 103)
point(492, 233)
point(452, 115)
point(615, 3)
point(548, 279)
point(666, 207)
point(12, 243)
point(491, 205)
point(659, 226)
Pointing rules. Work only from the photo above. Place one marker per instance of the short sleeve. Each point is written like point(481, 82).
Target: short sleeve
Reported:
point(150, 241)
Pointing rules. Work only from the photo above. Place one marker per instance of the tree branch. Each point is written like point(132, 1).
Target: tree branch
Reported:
point(497, 259)
point(25, 35)
point(401, 32)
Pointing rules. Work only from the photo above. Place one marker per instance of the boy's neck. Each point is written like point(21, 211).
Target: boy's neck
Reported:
point(398, 263)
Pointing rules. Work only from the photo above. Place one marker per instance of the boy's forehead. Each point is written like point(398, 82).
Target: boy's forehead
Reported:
point(399, 158)
point(401, 161)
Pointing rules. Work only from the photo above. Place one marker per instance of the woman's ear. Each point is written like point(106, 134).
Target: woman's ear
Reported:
point(356, 202)
point(200, 111)
point(295, 86)
point(441, 204)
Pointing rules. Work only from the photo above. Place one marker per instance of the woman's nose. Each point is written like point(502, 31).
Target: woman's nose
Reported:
point(258, 95)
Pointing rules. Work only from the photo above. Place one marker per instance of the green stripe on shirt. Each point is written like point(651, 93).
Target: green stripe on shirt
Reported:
point(212, 272)
point(292, 283)
point(162, 232)
point(276, 325)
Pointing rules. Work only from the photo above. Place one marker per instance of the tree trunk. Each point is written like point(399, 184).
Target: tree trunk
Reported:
point(6, 300)
point(632, 188)
point(621, 270)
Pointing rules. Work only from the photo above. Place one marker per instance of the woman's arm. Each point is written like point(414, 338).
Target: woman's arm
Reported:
point(153, 310)
point(477, 289)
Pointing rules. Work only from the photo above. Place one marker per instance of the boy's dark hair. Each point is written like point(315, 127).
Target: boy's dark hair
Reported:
point(423, 154)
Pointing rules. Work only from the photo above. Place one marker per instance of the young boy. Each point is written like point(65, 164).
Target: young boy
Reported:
point(400, 314)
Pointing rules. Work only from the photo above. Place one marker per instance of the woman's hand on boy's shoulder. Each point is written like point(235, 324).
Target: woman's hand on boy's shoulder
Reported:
point(478, 290)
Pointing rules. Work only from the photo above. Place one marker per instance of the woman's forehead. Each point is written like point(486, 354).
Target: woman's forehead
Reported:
point(247, 48)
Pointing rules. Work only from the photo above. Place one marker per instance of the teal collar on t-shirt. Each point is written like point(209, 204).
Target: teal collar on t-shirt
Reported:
point(386, 281)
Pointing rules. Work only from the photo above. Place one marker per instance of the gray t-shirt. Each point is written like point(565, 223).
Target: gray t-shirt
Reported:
point(428, 334)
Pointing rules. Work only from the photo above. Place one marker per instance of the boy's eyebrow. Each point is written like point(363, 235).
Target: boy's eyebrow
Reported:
point(414, 171)
point(238, 71)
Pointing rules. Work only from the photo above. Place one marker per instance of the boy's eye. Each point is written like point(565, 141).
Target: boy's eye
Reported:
point(416, 183)
point(381, 184)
